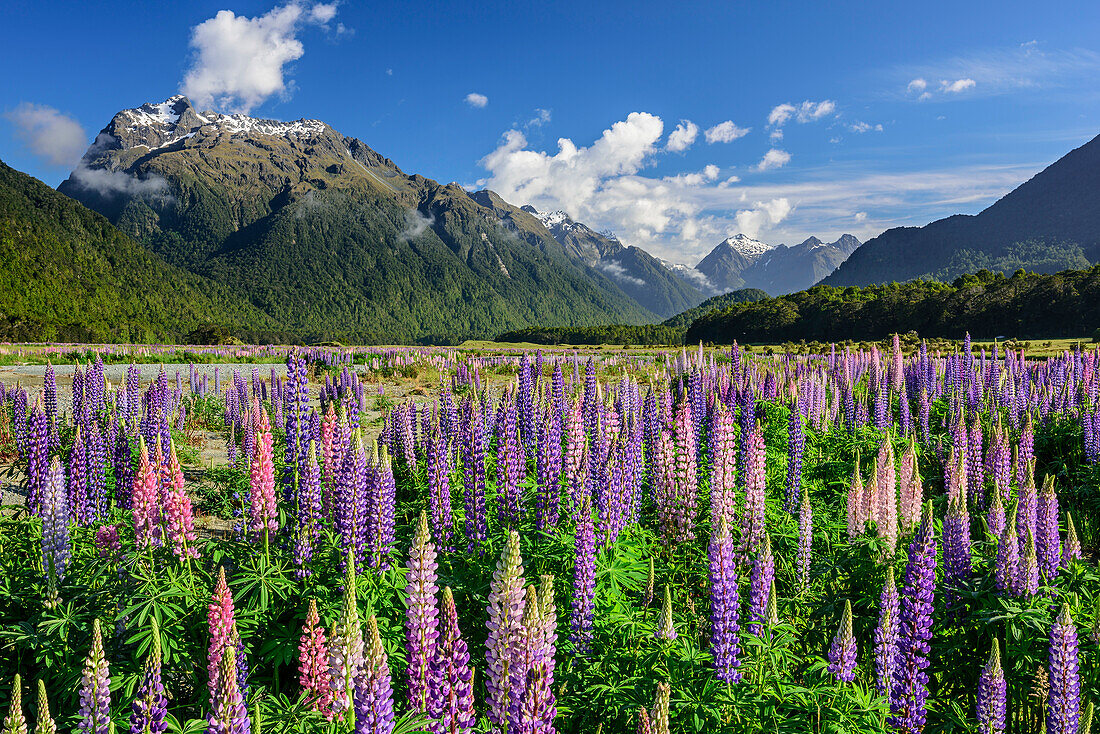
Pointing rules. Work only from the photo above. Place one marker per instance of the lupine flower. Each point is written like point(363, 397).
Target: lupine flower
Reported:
point(473, 475)
point(421, 616)
point(856, 518)
point(752, 518)
point(15, 722)
point(1064, 702)
point(842, 651)
point(56, 545)
point(45, 724)
point(796, 443)
point(313, 664)
point(956, 547)
point(666, 630)
point(179, 519)
point(79, 505)
point(1072, 550)
point(643, 722)
point(222, 627)
point(1047, 540)
point(760, 581)
point(510, 469)
point(660, 709)
point(1027, 578)
point(347, 648)
point(584, 579)
point(886, 635)
point(991, 699)
point(95, 689)
point(373, 688)
point(910, 687)
point(262, 473)
point(805, 538)
point(995, 517)
point(309, 509)
point(228, 713)
point(150, 706)
point(724, 606)
point(439, 489)
point(723, 475)
point(505, 625)
point(1006, 571)
point(147, 508)
point(450, 678)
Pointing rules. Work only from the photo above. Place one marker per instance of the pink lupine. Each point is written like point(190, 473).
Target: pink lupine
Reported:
point(886, 510)
point(180, 520)
point(147, 508)
point(223, 630)
point(856, 518)
point(313, 664)
point(723, 476)
point(264, 510)
point(752, 519)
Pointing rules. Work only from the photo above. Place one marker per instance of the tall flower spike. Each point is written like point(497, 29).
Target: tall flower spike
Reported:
point(886, 635)
point(1072, 549)
point(95, 689)
point(584, 578)
point(842, 651)
point(228, 713)
point(262, 476)
point(910, 688)
point(313, 659)
point(421, 616)
point(223, 630)
point(45, 723)
point(178, 514)
point(15, 722)
point(805, 538)
point(506, 601)
point(660, 709)
point(760, 580)
point(56, 544)
point(373, 689)
point(666, 630)
point(1064, 702)
point(150, 706)
point(991, 699)
point(346, 651)
point(450, 681)
point(724, 606)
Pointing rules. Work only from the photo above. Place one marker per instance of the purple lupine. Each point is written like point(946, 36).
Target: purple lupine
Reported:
point(95, 689)
point(380, 509)
point(79, 504)
point(910, 686)
point(1027, 576)
point(995, 516)
point(439, 489)
point(123, 469)
point(228, 713)
point(549, 466)
point(473, 476)
point(886, 635)
point(1007, 569)
point(796, 444)
point(56, 546)
point(686, 492)
point(956, 548)
point(505, 629)
point(760, 582)
point(309, 510)
point(724, 606)
point(450, 677)
point(1064, 701)
point(805, 538)
point(421, 616)
point(842, 650)
point(510, 461)
point(150, 706)
point(991, 699)
point(373, 688)
point(584, 579)
point(49, 381)
point(37, 459)
point(1047, 539)
point(1072, 549)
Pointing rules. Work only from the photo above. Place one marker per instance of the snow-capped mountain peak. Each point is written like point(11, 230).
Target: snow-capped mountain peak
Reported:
point(747, 246)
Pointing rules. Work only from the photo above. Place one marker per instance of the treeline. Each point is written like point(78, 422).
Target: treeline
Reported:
point(985, 304)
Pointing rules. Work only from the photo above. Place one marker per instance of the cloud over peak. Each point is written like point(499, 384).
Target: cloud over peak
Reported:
point(52, 136)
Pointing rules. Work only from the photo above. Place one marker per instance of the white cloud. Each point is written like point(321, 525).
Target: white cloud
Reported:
point(239, 61)
point(774, 158)
point(763, 214)
point(541, 118)
point(711, 171)
point(389, 72)
point(416, 224)
point(959, 85)
point(780, 114)
point(683, 136)
point(476, 100)
point(618, 272)
point(917, 85)
point(776, 135)
point(725, 132)
point(862, 127)
point(56, 138)
point(861, 217)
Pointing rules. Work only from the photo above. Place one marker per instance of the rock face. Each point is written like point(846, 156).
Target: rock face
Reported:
point(1047, 224)
point(744, 262)
point(330, 238)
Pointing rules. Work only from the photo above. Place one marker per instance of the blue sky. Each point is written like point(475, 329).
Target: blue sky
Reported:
point(794, 119)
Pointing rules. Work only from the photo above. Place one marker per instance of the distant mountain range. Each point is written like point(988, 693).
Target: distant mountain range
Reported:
point(1047, 224)
point(744, 262)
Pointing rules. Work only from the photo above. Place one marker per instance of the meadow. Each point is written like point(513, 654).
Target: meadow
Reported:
point(888, 537)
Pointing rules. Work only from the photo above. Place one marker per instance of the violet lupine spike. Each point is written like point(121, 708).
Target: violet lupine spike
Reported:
point(95, 689)
point(56, 544)
point(79, 502)
point(805, 538)
point(228, 713)
point(1047, 538)
point(761, 578)
point(510, 468)
point(422, 613)
point(373, 688)
point(473, 476)
point(1007, 568)
point(886, 635)
point(666, 628)
point(957, 564)
point(991, 704)
point(381, 507)
point(37, 460)
point(725, 606)
point(584, 579)
point(309, 511)
point(15, 722)
point(549, 470)
point(796, 444)
point(150, 706)
point(439, 489)
point(842, 651)
point(506, 601)
point(909, 693)
point(1063, 711)
point(313, 664)
point(450, 677)
point(1072, 550)
point(1027, 578)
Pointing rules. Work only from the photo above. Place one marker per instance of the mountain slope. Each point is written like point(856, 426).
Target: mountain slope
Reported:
point(789, 269)
point(641, 276)
point(1049, 223)
point(326, 236)
point(69, 275)
point(723, 266)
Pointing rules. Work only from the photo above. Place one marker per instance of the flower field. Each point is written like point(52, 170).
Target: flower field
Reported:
point(696, 541)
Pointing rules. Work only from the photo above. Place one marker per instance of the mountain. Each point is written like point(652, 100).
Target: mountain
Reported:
point(732, 256)
point(1047, 224)
point(69, 275)
point(327, 237)
point(789, 269)
point(643, 277)
point(680, 322)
